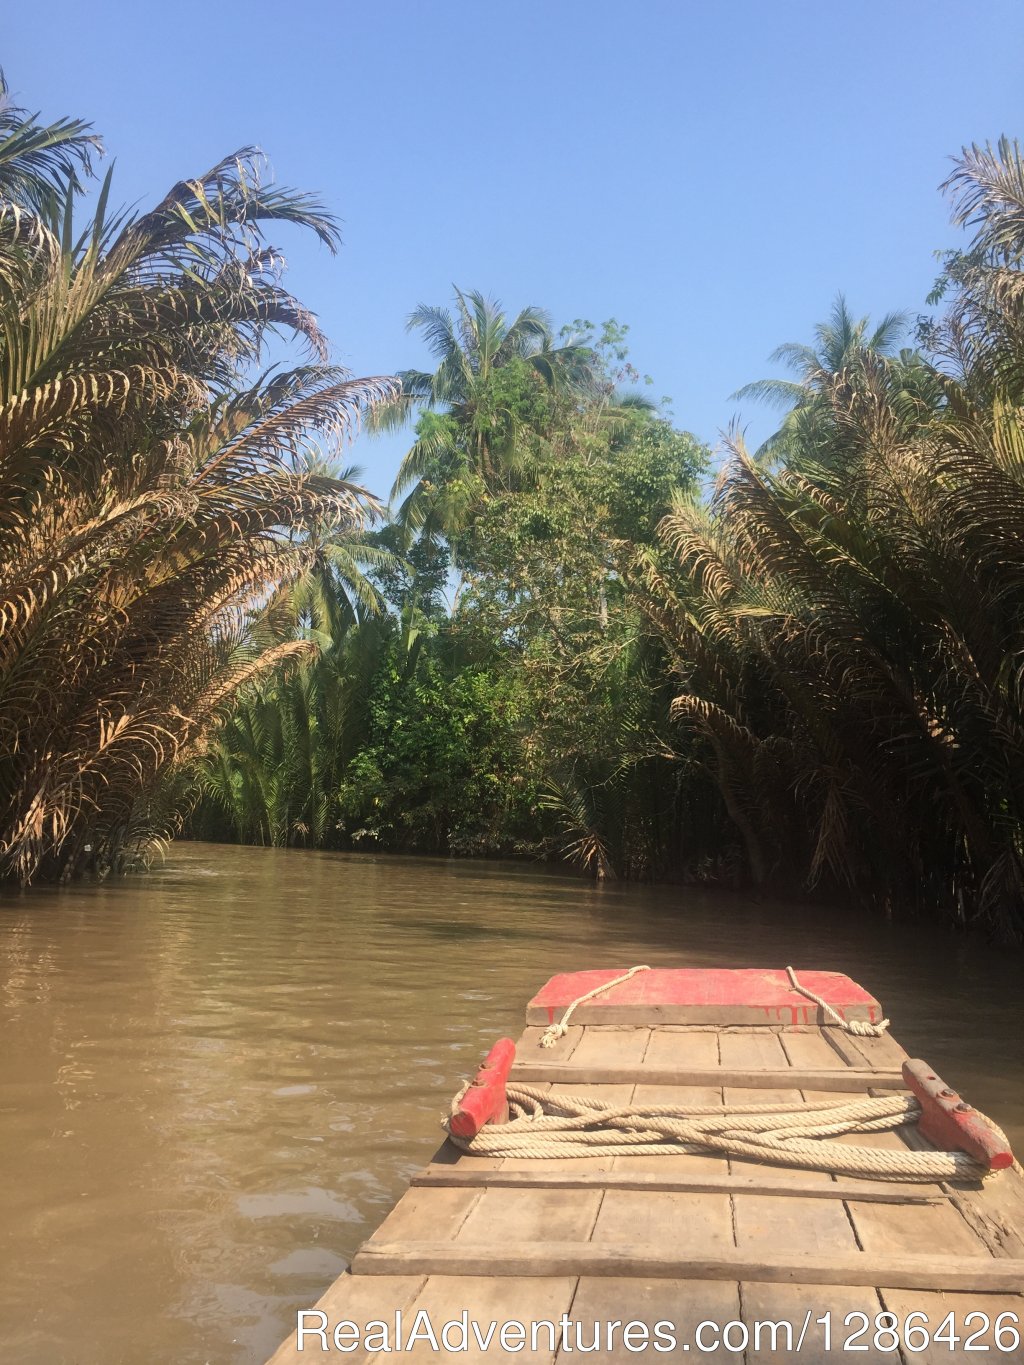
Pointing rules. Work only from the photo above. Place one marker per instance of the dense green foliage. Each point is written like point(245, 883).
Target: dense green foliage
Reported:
point(848, 620)
point(809, 677)
point(562, 642)
point(495, 725)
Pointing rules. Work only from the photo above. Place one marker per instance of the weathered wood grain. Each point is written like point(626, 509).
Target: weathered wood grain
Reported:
point(684, 1238)
point(889, 1232)
point(625, 1299)
point(769, 1310)
point(626, 1178)
point(811, 1227)
point(429, 1213)
point(357, 1299)
point(755, 1078)
point(995, 1211)
point(703, 1222)
point(935, 1272)
point(934, 1309)
point(533, 1215)
point(444, 1298)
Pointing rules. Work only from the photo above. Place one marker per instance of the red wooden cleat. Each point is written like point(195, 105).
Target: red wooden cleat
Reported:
point(950, 1123)
point(485, 1101)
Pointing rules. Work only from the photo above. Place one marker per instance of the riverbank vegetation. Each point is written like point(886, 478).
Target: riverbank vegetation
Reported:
point(154, 495)
point(577, 633)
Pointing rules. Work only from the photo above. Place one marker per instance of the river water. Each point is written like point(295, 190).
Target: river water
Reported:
point(215, 1079)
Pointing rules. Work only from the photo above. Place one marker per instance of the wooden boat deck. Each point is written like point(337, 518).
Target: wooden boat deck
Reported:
point(689, 1238)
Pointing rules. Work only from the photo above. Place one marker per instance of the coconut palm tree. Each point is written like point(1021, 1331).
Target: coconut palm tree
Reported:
point(840, 346)
point(469, 428)
point(336, 591)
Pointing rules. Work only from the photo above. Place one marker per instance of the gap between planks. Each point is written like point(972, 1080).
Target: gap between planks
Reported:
point(982, 1274)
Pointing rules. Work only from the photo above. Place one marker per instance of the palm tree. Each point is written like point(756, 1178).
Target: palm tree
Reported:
point(981, 339)
point(845, 621)
point(467, 438)
point(153, 498)
point(272, 773)
point(841, 344)
point(336, 590)
point(39, 162)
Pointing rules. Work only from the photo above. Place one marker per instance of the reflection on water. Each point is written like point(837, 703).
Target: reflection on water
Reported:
point(216, 1079)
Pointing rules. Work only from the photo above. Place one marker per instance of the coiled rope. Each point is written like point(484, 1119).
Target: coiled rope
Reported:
point(543, 1125)
point(790, 1134)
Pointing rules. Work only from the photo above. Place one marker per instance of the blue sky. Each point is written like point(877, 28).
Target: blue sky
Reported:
point(711, 174)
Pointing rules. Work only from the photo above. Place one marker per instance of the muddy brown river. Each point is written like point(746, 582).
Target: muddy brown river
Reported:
point(215, 1079)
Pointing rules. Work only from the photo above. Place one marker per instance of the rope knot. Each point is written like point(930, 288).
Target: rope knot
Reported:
point(865, 1030)
point(860, 1027)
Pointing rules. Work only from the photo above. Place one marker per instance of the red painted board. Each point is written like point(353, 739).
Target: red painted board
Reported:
point(702, 995)
point(485, 1100)
point(950, 1123)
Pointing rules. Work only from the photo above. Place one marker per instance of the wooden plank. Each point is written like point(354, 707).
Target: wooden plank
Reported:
point(941, 1273)
point(353, 1298)
point(755, 1052)
point(656, 1217)
point(625, 1178)
point(678, 1048)
point(534, 1215)
point(753, 1078)
point(675, 1303)
point(782, 1320)
point(745, 1052)
point(514, 1301)
point(985, 1221)
point(428, 1213)
point(990, 1223)
point(812, 1052)
point(814, 1224)
point(450, 1155)
point(883, 1051)
point(766, 1227)
point(700, 995)
point(619, 1048)
point(996, 1211)
point(932, 1311)
point(886, 1231)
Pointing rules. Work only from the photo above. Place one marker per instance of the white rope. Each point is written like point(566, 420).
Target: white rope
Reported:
point(543, 1125)
point(856, 1026)
point(859, 1027)
point(559, 1030)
